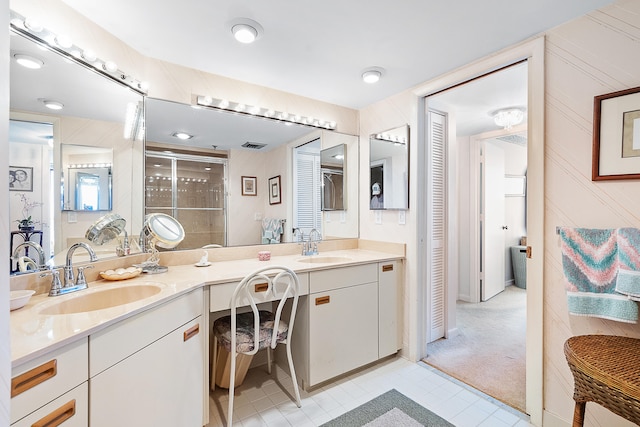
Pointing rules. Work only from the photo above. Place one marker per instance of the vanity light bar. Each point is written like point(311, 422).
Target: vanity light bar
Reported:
point(267, 113)
point(89, 165)
point(63, 44)
point(400, 140)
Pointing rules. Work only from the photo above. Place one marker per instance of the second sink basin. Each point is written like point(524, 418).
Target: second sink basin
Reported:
point(102, 299)
point(324, 259)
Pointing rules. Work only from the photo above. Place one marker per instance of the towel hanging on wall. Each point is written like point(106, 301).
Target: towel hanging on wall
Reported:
point(590, 262)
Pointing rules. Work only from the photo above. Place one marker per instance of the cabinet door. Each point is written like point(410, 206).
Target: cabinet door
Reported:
point(343, 331)
point(160, 385)
point(69, 410)
point(389, 322)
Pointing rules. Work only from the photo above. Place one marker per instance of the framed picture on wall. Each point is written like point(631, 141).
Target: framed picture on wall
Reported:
point(616, 136)
point(274, 190)
point(20, 178)
point(249, 186)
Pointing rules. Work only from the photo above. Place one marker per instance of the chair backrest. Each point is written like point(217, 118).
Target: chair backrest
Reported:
point(271, 283)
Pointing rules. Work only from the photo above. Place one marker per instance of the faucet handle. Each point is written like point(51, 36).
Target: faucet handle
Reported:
point(81, 280)
point(56, 285)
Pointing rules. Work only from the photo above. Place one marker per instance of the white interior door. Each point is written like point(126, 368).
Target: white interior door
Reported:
point(493, 230)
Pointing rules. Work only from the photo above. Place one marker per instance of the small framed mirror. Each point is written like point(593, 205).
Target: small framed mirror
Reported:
point(86, 178)
point(389, 169)
point(332, 168)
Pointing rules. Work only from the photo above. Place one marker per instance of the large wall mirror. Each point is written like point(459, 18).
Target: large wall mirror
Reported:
point(224, 168)
point(77, 150)
point(92, 112)
point(389, 169)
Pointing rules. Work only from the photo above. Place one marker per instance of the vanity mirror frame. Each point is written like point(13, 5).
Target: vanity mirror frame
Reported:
point(389, 169)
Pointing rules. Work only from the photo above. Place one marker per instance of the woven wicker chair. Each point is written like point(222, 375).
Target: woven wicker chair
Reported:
point(606, 370)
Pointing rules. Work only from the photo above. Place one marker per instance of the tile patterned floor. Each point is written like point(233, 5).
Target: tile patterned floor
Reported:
point(265, 400)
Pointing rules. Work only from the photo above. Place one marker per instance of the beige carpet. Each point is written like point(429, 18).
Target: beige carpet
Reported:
point(489, 351)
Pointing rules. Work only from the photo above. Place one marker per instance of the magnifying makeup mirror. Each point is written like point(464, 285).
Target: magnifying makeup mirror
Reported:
point(163, 231)
point(108, 228)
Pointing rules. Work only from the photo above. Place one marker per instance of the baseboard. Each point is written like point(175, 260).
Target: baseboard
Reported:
point(510, 282)
point(552, 420)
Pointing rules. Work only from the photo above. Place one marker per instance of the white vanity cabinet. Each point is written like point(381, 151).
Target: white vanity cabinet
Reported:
point(149, 370)
point(344, 322)
point(52, 387)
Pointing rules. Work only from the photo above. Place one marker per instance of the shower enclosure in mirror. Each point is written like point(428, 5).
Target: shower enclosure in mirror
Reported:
point(91, 113)
point(332, 161)
point(190, 188)
point(389, 169)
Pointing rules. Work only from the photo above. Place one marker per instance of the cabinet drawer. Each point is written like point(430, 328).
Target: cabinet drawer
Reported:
point(35, 383)
point(118, 341)
point(220, 295)
point(71, 410)
point(336, 278)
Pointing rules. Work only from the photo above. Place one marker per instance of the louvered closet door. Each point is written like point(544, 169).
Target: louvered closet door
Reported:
point(436, 227)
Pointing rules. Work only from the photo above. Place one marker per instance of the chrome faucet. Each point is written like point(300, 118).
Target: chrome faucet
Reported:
point(298, 237)
point(36, 247)
point(68, 268)
point(314, 238)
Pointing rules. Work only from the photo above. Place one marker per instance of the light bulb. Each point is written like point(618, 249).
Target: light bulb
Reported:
point(244, 33)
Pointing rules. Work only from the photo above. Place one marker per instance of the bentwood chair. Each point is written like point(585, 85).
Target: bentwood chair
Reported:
point(246, 333)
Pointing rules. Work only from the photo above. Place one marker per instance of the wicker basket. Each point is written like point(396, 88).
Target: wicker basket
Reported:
point(606, 370)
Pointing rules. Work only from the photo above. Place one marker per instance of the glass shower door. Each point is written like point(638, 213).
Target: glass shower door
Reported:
point(192, 190)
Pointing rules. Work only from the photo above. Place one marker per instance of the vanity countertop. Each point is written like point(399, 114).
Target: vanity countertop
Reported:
point(34, 333)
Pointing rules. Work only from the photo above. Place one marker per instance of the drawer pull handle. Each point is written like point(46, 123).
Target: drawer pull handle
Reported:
point(262, 287)
point(33, 377)
point(388, 267)
point(58, 416)
point(191, 332)
point(323, 300)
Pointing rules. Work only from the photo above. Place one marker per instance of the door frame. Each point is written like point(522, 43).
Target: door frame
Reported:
point(533, 52)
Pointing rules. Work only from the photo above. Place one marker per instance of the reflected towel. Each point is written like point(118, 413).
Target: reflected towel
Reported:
point(271, 230)
point(590, 264)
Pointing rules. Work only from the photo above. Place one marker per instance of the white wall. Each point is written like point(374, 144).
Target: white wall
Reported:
point(590, 56)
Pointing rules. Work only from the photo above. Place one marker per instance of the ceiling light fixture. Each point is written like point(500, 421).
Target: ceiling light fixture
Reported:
point(508, 117)
point(52, 105)
point(280, 116)
point(182, 135)
point(245, 30)
point(63, 44)
point(372, 75)
point(28, 61)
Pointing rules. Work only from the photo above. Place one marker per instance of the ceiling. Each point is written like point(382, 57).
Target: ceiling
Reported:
point(320, 49)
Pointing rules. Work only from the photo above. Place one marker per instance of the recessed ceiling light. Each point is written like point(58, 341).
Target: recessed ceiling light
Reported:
point(52, 105)
point(28, 61)
point(182, 135)
point(372, 75)
point(245, 30)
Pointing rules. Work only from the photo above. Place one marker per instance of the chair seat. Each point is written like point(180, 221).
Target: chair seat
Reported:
point(606, 370)
point(245, 331)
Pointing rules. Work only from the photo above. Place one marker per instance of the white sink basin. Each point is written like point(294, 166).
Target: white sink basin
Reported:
point(324, 259)
point(102, 299)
